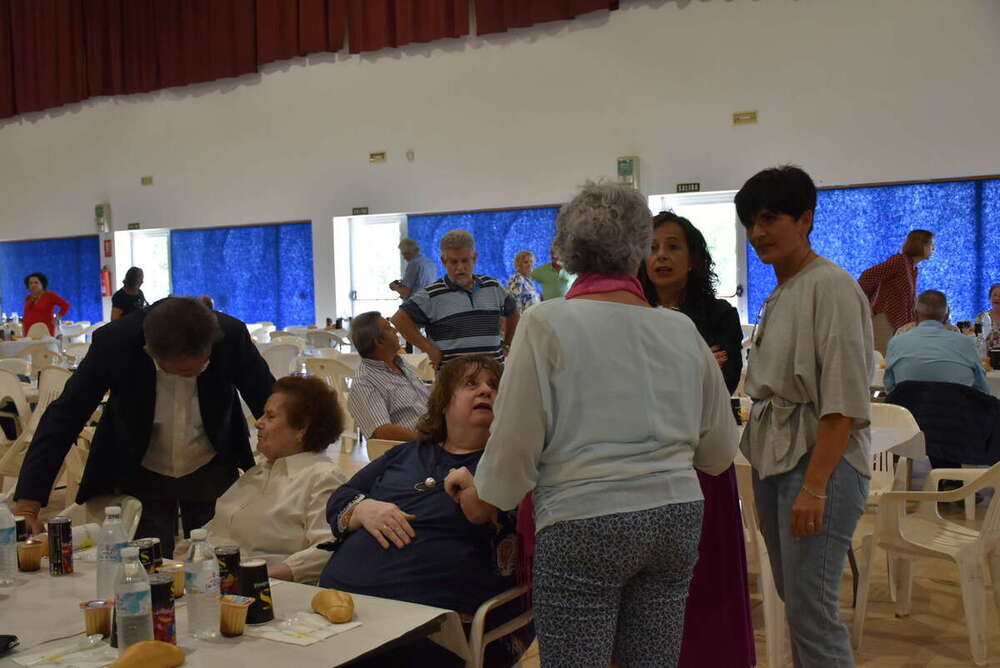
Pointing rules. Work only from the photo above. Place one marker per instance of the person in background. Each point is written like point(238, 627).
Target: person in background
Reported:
point(678, 273)
point(40, 304)
point(129, 298)
point(891, 286)
point(931, 352)
point(172, 433)
point(420, 269)
point(808, 436)
point(989, 320)
point(609, 442)
point(387, 396)
point(520, 286)
point(553, 277)
point(462, 311)
point(278, 507)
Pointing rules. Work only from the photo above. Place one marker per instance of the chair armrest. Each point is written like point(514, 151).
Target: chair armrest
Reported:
point(937, 475)
point(478, 639)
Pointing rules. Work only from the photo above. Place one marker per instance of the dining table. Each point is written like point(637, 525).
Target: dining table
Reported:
point(43, 611)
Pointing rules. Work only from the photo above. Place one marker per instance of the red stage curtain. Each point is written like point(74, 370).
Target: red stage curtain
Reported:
point(54, 52)
point(7, 106)
point(494, 16)
point(291, 28)
point(378, 24)
point(48, 53)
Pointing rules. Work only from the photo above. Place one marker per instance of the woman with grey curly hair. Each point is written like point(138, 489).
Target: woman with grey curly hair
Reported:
point(608, 444)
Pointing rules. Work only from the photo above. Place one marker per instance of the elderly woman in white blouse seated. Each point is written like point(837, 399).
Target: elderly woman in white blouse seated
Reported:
point(278, 507)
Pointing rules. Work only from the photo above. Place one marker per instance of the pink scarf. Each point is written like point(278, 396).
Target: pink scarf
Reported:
point(588, 284)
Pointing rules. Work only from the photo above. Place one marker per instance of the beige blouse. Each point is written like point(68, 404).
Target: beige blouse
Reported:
point(279, 508)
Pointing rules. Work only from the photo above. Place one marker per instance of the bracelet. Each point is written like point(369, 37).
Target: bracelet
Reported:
point(344, 520)
point(821, 497)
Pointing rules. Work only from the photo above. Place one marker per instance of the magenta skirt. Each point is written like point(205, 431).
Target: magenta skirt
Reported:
point(717, 626)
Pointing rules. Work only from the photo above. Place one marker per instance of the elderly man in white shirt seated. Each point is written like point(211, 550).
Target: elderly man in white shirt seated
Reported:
point(277, 509)
point(387, 396)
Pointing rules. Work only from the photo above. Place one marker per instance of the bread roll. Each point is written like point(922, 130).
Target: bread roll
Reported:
point(150, 654)
point(337, 606)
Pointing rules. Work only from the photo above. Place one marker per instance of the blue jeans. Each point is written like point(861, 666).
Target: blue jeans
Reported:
point(807, 571)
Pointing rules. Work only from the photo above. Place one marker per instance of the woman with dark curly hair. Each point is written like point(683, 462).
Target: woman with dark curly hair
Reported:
point(40, 304)
point(678, 273)
point(411, 526)
point(277, 508)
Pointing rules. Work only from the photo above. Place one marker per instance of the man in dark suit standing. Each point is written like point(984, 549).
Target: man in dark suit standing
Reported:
point(172, 433)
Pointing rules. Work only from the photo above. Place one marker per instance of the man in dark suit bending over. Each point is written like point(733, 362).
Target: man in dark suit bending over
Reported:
point(172, 433)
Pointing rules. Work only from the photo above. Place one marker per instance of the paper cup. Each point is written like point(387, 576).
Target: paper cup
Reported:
point(176, 570)
point(233, 611)
point(97, 617)
point(29, 555)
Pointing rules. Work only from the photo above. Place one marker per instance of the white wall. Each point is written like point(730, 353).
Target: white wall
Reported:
point(853, 90)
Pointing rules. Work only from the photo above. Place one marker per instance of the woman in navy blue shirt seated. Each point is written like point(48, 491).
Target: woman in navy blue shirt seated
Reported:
point(411, 526)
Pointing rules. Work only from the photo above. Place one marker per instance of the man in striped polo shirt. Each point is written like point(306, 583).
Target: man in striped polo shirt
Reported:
point(461, 311)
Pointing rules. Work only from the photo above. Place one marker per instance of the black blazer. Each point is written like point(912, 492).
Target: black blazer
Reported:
point(719, 324)
point(116, 363)
point(960, 423)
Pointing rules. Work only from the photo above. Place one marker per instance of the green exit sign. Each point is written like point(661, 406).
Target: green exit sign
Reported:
point(359, 211)
point(133, 226)
point(688, 187)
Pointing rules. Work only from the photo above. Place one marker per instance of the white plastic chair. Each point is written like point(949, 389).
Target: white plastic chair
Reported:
point(414, 359)
point(88, 333)
point(320, 338)
point(40, 356)
point(260, 335)
point(77, 351)
point(327, 353)
point(12, 389)
point(335, 371)
point(279, 358)
point(479, 637)
point(906, 536)
point(15, 365)
point(426, 370)
point(778, 642)
point(38, 331)
point(379, 446)
point(92, 512)
point(50, 386)
point(284, 338)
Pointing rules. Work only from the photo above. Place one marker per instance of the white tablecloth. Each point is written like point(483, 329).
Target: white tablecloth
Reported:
point(47, 608)
point(993, 378)
point(14, 348)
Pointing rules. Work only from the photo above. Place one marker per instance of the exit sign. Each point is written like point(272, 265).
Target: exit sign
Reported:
point(133, 226)
point(359, 211)
point(688, 187)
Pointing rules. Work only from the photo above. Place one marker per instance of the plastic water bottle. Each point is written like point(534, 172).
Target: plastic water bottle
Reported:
point(133, 604)
point(8, 544)
point(110, 542)
point(201, 579)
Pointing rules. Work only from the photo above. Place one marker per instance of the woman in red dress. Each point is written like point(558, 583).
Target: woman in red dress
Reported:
point(40, 304)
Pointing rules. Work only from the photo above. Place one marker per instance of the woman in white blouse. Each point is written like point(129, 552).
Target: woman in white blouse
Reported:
point(608, 440)
point(278, 507)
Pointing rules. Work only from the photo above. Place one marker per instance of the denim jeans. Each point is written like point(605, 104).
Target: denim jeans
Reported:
point(808, 571)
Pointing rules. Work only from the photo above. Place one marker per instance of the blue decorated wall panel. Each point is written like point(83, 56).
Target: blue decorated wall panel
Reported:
point(254, 272)
point(72, 266)
point(859, 227)
point(499, 236)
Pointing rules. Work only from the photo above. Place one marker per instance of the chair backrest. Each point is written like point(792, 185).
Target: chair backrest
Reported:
point(279, 358)
point(328, 353)
point(379, 446)
point(50, 386)
point(92, 512)
point(40, 354)
point(426, 370)
point(77, 350)
point(38, 331)
point(334, 371)
point(896, 417)
point(12, 389)
point(51, 381)
point(414, 359)
point(260, 335)
point(15, 365)
point(319, 338)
